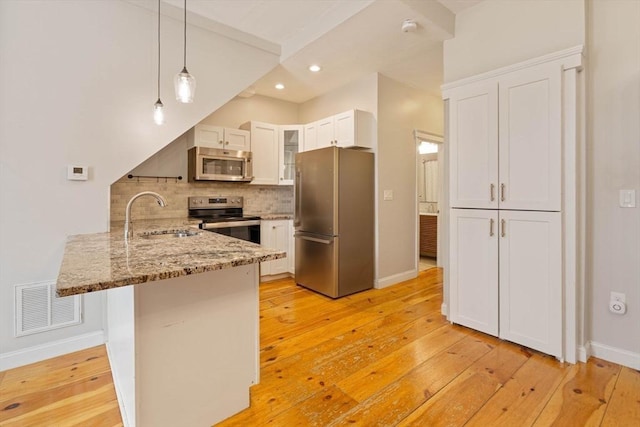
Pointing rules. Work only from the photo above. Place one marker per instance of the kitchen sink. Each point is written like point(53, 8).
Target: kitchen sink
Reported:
point(168, 234)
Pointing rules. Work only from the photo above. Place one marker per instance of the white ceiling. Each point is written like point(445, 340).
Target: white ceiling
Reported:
point(348, 38)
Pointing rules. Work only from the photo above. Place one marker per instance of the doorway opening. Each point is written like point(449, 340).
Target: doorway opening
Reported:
point(429, 185)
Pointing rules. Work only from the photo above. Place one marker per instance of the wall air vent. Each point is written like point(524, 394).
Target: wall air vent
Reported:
point(38, 309)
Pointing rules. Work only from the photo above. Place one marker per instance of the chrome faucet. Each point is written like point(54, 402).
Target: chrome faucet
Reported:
point(127, 217)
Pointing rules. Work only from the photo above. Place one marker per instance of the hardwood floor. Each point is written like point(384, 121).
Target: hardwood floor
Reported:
point(378, 358)
point(71, 390)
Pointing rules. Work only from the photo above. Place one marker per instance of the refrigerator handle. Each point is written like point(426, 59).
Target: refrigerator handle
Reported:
point(296, 209)
point(313, 239)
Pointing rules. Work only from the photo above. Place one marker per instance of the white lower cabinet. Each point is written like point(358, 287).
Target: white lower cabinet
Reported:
point(291, 255)
point(274, 234)
point(506, 275)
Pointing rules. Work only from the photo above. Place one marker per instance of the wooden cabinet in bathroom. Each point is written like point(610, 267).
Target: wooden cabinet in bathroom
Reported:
point(429, 235)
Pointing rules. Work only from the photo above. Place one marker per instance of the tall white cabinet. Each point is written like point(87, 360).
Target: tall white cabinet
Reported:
point(512, 193)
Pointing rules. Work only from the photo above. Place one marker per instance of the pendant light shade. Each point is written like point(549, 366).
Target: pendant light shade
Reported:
point(158, 112)
point(158, 107)
point(185, 83)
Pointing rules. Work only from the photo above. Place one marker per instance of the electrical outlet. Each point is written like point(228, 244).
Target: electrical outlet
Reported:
point(388, 194)
point(617, 303)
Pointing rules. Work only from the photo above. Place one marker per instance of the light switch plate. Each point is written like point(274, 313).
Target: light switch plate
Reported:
point(388, 194)
point(627, 198)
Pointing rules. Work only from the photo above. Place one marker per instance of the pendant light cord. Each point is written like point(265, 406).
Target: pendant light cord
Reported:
point(185, 34)
point(158, 49)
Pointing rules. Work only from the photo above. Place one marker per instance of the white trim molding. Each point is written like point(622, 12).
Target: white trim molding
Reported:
point(38, 353)
point(570, 58)
point(615, 355)
point(396, 278)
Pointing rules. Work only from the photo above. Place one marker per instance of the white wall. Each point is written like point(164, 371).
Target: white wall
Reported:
point(495, 33)
point(78, 81)
point(613, 150)
point(401, 110)
point(361, 94)
point(258, 108)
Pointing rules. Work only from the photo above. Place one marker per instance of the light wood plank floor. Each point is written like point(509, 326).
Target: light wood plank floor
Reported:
point(378, 358)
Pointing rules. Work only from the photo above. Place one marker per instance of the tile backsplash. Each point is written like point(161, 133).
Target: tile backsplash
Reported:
point(258, 199)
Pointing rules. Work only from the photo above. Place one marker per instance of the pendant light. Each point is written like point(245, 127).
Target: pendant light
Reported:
point(185, 83)
point(158, 107)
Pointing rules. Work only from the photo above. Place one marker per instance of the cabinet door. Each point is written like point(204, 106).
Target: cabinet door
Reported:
point(310, 136)
point(473, 133)
point(344, 129)
point(325, 128)
point(530, 139)
point(276, 236)
point(473, 275)
point(237, 139)
point(290, 145)
point(531, 280)
point(206, 136)
point(264, 148)
point(291, 254)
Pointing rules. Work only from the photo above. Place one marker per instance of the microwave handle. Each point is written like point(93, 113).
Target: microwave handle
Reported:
point(296, 196)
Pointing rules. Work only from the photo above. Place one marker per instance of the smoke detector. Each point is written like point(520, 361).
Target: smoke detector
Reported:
point(409, 26)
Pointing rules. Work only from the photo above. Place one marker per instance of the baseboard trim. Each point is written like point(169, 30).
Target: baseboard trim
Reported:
point(584, 352)
point(38, 353)
point(615, 355)
point(396, 278)
point(444, 310)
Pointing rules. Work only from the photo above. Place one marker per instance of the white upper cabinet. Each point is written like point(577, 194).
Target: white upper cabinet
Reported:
point(218, 137)
point(325, 129)
point(506, 141)
point(310, 136)
point(473, 132)
point(264, 149)
point(353, 128)
point(530, 136)
point(290, 144)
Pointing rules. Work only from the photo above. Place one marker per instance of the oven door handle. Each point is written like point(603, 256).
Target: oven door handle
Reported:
point(215, 225)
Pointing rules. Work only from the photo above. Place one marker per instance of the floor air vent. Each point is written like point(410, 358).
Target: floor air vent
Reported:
point(38, 309)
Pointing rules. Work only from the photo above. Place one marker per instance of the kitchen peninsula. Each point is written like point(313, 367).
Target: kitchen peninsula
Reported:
point(184, 342)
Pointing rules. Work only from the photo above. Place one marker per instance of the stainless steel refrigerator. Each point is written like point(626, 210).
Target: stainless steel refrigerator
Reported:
point(334, 220)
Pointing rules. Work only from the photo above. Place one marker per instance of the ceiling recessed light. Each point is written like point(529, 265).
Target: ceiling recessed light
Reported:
point(279, 86)
point(314, 68)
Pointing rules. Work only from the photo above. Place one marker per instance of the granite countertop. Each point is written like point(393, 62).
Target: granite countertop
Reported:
point(273, 216)
point(95, 262)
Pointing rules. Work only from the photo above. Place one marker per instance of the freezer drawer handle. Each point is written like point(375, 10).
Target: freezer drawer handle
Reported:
point(312, 239)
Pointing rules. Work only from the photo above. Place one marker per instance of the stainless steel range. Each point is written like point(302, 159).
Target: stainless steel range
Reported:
point(224, 215)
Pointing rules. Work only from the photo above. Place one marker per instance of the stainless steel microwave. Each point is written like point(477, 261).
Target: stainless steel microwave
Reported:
point(213, 164)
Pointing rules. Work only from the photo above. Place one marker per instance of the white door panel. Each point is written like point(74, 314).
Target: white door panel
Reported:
point(474, 269)
point(530, 139)
point(531, 280)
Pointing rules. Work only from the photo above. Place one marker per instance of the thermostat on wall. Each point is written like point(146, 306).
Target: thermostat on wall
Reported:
point(77, 173)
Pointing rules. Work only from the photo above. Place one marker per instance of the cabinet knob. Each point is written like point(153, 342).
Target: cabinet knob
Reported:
point(221, 142)
point(226, 143)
